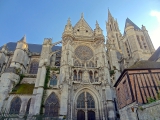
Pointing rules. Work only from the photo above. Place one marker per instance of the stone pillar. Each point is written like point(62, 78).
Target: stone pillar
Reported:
point(40, 90)
point(110, 104)
point(64, 99)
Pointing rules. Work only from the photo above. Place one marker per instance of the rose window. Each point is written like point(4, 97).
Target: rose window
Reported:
point(83, 52)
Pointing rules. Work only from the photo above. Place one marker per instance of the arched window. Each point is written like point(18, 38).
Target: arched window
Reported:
point(96, 76)
point(80, 75)
point(28, 106)
point(53, 80)
point(76, 63)
point(85, 106)
point(15, 105)
point(34, 67)
point(91, 76)
point(52, 106)
point(91, 64)
point(81, 101)
point(110, 27)
point(74, 75)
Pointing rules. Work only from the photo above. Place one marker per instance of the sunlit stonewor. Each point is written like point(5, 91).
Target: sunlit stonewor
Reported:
point(73, 78)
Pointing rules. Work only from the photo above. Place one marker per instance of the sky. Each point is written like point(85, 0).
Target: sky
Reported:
point(39, 19)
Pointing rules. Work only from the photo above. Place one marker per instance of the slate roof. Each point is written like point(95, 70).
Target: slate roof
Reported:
point(155, 56)
point(32, 47)
point(145, 64)
point(128, 21)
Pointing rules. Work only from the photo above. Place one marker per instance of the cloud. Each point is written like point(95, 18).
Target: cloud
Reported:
point(155, 34)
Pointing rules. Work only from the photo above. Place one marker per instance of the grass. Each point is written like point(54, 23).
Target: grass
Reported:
point(23, 89)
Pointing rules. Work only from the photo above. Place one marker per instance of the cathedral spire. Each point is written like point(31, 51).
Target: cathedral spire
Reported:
point(109, 14)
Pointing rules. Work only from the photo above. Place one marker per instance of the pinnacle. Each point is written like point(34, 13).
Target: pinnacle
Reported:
point(23, 39)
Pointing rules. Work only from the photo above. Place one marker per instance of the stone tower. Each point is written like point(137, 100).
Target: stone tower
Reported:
point(136, 42)
point(113, 46)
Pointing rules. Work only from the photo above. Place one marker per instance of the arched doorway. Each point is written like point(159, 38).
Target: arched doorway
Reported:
point(85, 107)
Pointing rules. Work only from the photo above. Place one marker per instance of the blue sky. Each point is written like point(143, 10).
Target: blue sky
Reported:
point(39, 19)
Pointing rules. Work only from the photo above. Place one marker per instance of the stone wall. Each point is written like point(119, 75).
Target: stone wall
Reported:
point(149, 111)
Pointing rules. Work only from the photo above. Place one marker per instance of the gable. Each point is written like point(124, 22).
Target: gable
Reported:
point(82, 29)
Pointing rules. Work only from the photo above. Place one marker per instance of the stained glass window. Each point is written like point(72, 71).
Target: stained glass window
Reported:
point(28, 106)
point(15, 105)
point(90, 101)
point(52, 106)
point(34, 67)
point(81, 101)
point(53, 80)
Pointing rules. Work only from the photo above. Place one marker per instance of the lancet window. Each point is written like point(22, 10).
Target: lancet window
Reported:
point(53, 80)
point(91, 76)
point(85, 107)
point(91, 64)
point(75, 75)
point(28, 106)
point(15, 105)
point(96, 76)
point(80, 75)
point(76, 63)
point(52, 106)
point(34, 67)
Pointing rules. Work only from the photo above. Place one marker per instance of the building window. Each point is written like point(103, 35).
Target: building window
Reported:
point(34, 67)
point(15, 105)
point(76, 63)
point(91, 64)
point(96, 76)
point(139, 42)
point(75, 75)
point(53, 80)
point(119, 96)
point(91, 76)
point(80, 75)
point(52, 106)
point(28, 106)
point(85, 106)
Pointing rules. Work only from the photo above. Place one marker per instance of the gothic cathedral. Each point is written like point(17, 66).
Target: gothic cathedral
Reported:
point(73, 81)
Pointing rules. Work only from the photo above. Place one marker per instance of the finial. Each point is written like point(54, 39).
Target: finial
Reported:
point(97, 25)
point(81, 15)
point(69, 21)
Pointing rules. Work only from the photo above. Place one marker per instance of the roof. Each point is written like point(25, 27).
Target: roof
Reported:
point(32, 47)
point(155, 56)
point(128, 21)
point(140, 65)
point(145, 64)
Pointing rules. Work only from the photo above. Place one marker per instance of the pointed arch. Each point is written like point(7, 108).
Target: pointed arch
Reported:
point(77, 63)
point(28, 106)
point(74, 75)
point(79, 75)
point(91, 64)
point(34, 67)
point(15, 105)
point(95, 76)
point(52, 106)
point(91, 76)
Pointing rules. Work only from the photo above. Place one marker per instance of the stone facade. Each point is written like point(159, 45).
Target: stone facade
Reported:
point(74, 81)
